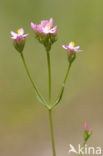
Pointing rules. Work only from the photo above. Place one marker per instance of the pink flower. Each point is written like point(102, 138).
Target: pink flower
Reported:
point(46, 27)
point(19, 39)
point(87, 132)
point(86, 127)
point(71, 48)
point(19, 35)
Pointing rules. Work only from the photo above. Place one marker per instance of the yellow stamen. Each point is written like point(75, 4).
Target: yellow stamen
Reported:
point(72, 43)
point(48, 26)
point(41, 23)
point(18, 31)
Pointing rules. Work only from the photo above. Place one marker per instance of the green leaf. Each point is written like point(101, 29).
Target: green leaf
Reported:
point(58, 99)
point(41, 99)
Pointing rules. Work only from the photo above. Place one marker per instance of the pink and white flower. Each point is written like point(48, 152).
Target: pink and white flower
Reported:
point(46, 27)
point(71, 48)
point(19, 39)
point(19, 35)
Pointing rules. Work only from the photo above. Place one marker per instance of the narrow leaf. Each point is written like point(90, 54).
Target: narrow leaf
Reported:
point(59, 96)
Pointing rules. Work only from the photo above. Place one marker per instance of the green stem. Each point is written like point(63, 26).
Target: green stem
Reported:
point(83, 146)
point(50, 111)
point(49, 74)
point(66, 76)
point(52, 133)
point(35, 88)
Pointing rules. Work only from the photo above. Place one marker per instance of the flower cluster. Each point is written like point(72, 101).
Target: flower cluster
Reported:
point(44, 28)
point(46, 34)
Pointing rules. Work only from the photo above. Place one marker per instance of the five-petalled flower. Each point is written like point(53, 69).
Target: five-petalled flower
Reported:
point(45, 27)
point(71, 48)
point(19, 39)
point(19, 35)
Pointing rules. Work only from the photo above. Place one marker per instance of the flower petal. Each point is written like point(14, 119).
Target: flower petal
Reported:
point(44, 23)
point(21, 31)
point(77, 47)
point(71, 45)
point(13, 34)
point(51, 22)
point(77, 51)
point(33, 26)
point(53, 30)
point(13, 37)
point(39, 28)
point(65, 46)
point(46, 30)
point(25, 35)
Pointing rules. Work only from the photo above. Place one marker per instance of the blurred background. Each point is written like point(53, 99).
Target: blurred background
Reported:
point(24, 123)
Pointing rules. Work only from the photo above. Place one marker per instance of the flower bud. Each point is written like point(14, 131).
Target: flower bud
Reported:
point(87, 132)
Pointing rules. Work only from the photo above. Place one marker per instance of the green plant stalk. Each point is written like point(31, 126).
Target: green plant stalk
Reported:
point(67, 73)
point(32, 82)
point(83, 146)
point(50, 110)
point(49, 74)
point(52, 132)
